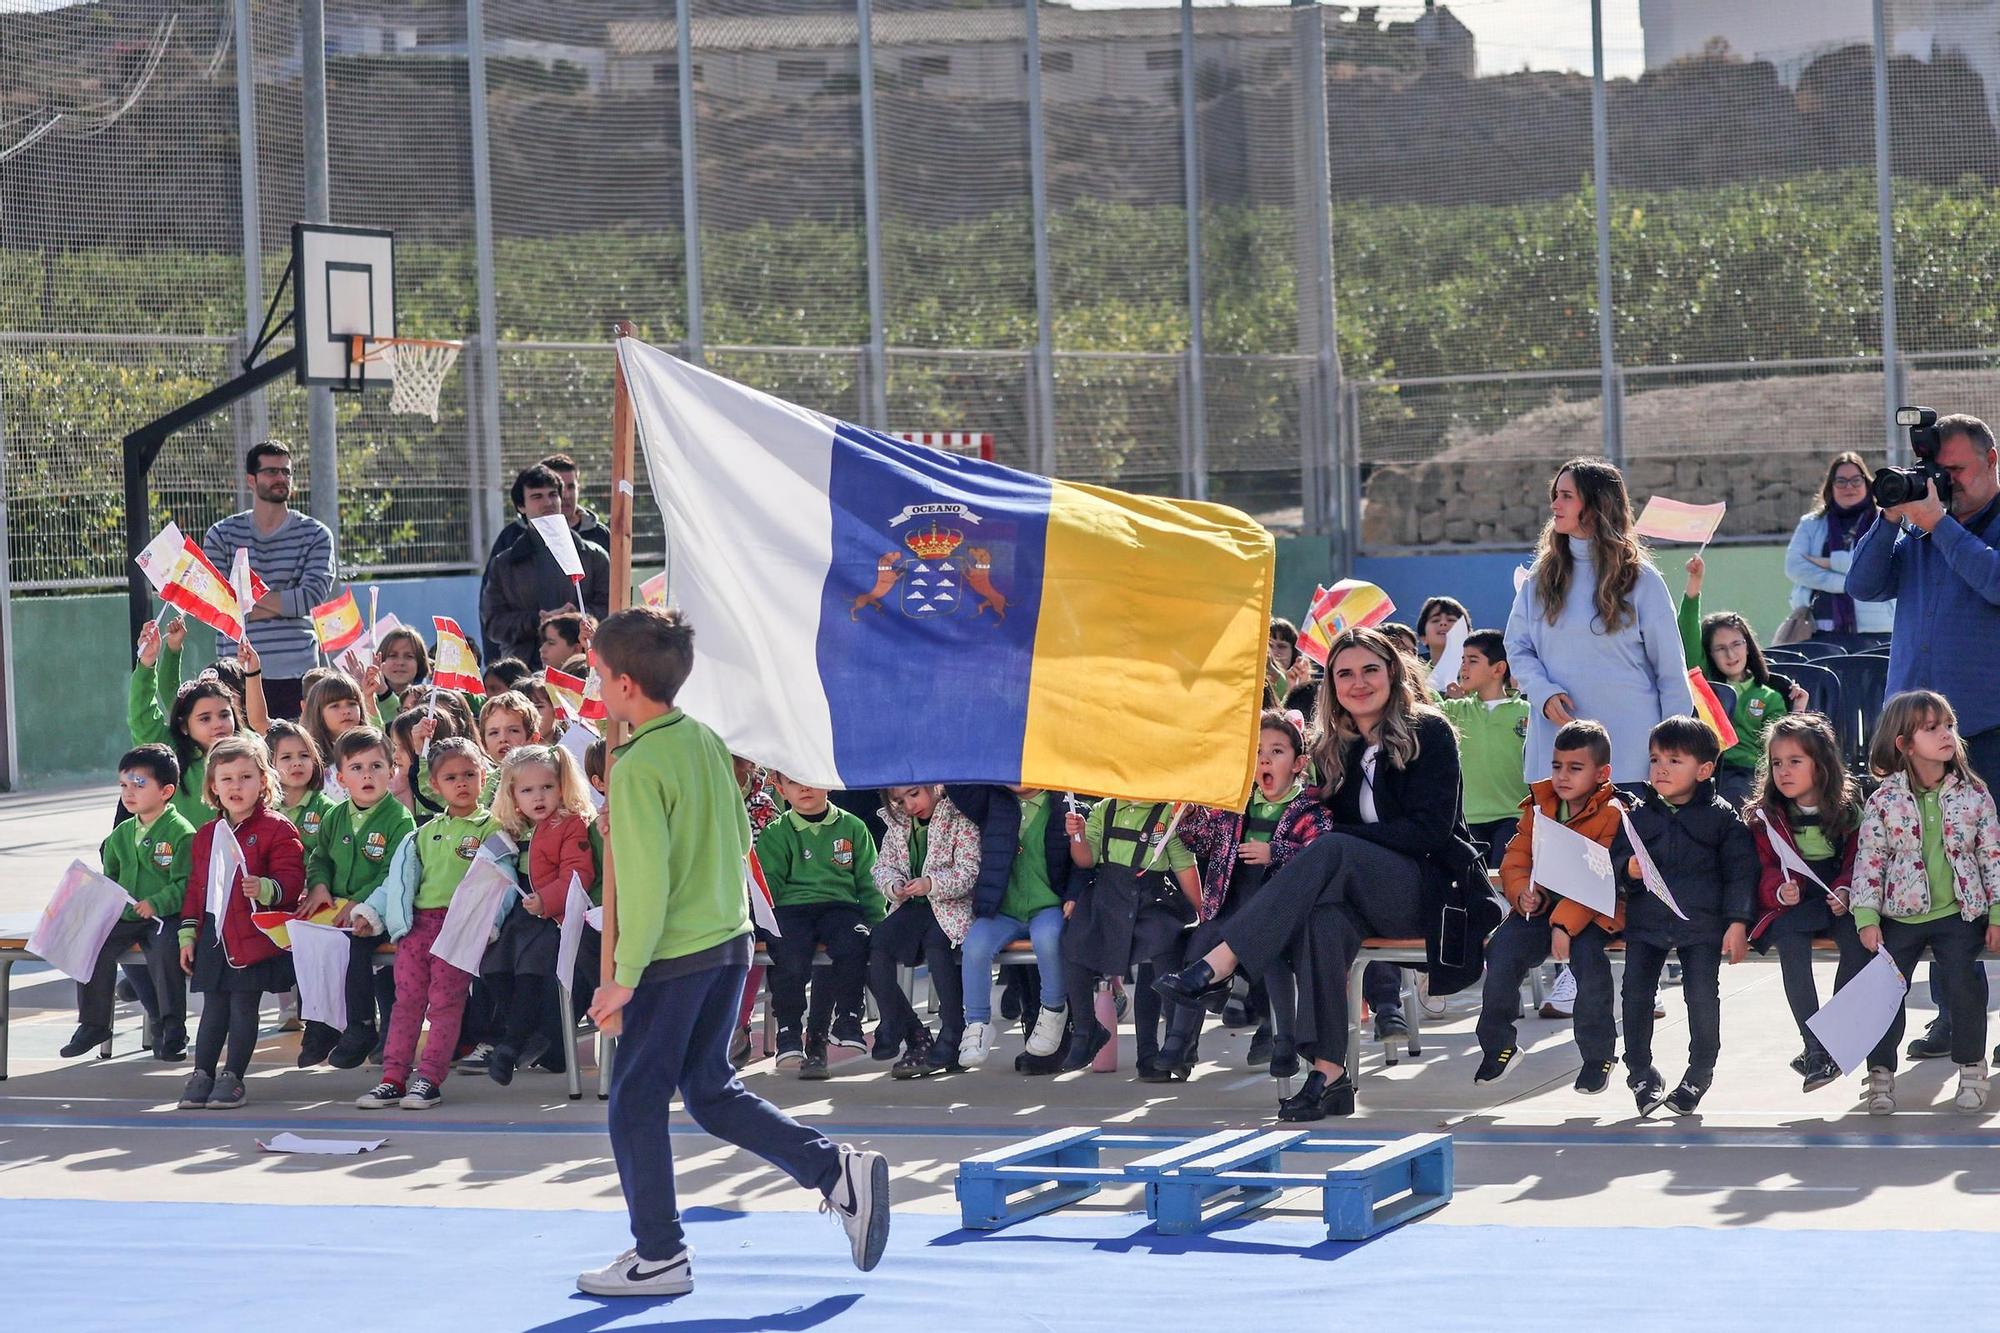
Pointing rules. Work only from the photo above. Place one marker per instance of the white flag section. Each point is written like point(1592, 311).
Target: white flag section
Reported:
point(1570, 864)
point(77, 920)
point(576, 915)
point(561, 542)
point(239, 584)
point(162, 556)
point(1656, 883)
point(1788, 856)
point(461, 941)
point(595, 916)
point(225, 862)
point(1446, 671)
point(1850, 1023)
point(762, 914)
point(319, 957)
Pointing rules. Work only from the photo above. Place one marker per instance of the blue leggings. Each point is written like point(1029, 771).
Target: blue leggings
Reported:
point(989, 935)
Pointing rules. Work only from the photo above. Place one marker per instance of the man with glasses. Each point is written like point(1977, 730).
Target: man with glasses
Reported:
point(293, 553)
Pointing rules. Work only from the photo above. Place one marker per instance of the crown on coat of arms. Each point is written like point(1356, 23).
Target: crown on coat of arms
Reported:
point(934, 542)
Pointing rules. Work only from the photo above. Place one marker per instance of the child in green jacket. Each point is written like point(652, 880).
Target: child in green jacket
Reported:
point(204, 712)
point(1724, 647)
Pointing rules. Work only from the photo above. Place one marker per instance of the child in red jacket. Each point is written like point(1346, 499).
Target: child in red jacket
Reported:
point(543, 797)
point(1806, 804)
point(231, 961)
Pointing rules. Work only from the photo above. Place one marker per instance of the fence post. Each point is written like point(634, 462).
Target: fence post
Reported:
point(1197, 368)
point(1600, 168)
point(482, 413)
point(10, 759)
point(253, 416)
point(1319, 449)
point(1038, 197)
point(324, 466)
point(1896, 442)
point(690, 186)
point(876, 401)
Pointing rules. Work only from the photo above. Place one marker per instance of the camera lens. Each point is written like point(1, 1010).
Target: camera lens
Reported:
point(1894, 486)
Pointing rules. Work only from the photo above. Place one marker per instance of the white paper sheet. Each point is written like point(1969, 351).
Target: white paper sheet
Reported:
point(1569, 864)
point(1446, 671)
point(468, 922)
point(1788, 856)
point(225, 862)
point(319, 957)
point(595, 916)
point(292, 1143)
point(561, 542)
point(576, 914)
point(77, 920)
point(1850, 1023)
point(1656, 883)
point(576, 738)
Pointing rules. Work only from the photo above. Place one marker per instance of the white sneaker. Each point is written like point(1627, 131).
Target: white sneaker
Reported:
point(975, 1045)
point(1561, 999)
point(288, 1011)
point(1972, 1086)
point(629, 1275)
point(1049, 1027)
point(1432, 1005)
point(859, 1200)
point(1881, 1092)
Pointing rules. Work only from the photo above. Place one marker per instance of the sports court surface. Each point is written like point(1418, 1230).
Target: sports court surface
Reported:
point(117, 1211)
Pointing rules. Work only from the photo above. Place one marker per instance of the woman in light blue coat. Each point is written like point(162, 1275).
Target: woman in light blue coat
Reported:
point(1822, 548)
point(1593, 632)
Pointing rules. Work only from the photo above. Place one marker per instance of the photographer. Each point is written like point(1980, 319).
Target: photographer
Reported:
point(1942, 566)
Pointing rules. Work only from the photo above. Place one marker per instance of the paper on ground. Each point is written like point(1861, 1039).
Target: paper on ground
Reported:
point(1446, 671)
point(474, 909)
point(1656, 883)
point(1860, 1012)
point(1571, 865)
point(77, 921)
point(292, 1143)
point(576, 914)
point(319, 957)
point(225, 862)
point(1788, 856)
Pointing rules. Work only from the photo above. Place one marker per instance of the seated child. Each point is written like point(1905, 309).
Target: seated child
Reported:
point(332, 709)
point(1578, 793)
point(302, 780)
point(544, 801)
point(1704, 854)
point(818, 862)
point(348, 861)
point(149, 857)
point(1724, 647)
point(926, 869)
point(1806, 803)
point(504, 674)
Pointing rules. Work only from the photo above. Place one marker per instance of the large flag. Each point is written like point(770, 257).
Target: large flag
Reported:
point(453, 667)
point(849, 592)
point(338, 623)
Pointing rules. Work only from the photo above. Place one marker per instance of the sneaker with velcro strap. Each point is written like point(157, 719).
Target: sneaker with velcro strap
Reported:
point(859, 1201)
point(630, 1275)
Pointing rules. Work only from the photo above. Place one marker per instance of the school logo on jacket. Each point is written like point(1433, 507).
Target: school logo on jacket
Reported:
point(843, 853)
point(163, 854)
point(1755, 708)
point(1521, 728)
point(375, 846)
point(309, 823)
point(468, 847)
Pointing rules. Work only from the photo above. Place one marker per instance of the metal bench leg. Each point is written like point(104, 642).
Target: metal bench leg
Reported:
point(1413, 1011)
point(6, 1010)
point(607, 1050)
point(1354, 1016)
point(566, 1015)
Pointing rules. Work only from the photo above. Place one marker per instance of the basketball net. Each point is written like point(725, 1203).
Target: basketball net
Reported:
point(421, 366)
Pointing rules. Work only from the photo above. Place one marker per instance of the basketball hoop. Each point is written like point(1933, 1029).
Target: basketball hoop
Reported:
point(418, 368)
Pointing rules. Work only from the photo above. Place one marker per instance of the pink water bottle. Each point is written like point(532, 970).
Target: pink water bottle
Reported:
point(1106, 1008)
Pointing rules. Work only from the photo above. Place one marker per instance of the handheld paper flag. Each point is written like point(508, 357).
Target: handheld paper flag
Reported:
point(474, 911)
point(1788, 856)
point(1710, 710)
point(1671, 521)
point(453, 666)
point(1849, 1024)
point(566, 690)
point(1656, 883)
point(653, 592)
point(761, 912)
point(1446, 671)
point(239, 584)
point(319, 957)
point(338, 623)
point(1348, 604)
point(225, 863)
point(1569, 864)
point(556, 535)
point(77, 921)
point(181, 571)
point(162, 557)
point(1521, 573)
point(576, 913)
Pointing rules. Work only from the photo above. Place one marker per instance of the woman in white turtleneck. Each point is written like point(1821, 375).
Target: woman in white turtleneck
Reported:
point(1593, 632)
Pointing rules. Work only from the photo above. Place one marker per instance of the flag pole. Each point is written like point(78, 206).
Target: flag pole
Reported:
point(622, 435)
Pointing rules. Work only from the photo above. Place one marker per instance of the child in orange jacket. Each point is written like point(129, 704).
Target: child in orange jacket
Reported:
point(1578, 793)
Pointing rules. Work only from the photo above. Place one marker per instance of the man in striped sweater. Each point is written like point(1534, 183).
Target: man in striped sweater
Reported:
point(293, 553)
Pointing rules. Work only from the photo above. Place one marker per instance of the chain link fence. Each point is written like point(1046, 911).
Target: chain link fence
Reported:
point(1338, 268)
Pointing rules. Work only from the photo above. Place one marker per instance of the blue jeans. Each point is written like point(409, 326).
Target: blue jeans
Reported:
point(989, 935)
point(676, 1040)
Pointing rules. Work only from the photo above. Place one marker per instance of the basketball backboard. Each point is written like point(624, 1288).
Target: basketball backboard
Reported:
point(346, 287)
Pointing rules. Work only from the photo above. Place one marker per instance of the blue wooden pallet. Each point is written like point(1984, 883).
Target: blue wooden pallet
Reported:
point(1194, 1182)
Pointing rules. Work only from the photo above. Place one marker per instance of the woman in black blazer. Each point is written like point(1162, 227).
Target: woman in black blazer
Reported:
point(1392, 839)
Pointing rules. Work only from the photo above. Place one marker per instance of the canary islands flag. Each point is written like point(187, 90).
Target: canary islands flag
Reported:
point(874, 613)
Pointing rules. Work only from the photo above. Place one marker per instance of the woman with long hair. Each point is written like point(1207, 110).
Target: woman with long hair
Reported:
point(1390, 836)
point(1822, 547)
point(1593, 633)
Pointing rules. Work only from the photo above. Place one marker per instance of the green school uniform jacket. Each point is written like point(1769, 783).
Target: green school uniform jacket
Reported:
point(1028, 887)
point(445, 851)
point(1491, 744)
point(149, 727)
point(352, 854)
point(830, 859)
point(309, 817)
point(151, 861)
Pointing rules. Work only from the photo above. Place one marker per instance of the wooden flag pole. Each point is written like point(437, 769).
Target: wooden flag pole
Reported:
point(622, 438)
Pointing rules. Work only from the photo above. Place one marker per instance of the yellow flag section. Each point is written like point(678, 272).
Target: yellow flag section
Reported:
point(1154, 628)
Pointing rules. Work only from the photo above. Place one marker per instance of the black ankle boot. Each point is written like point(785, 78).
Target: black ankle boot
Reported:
point(1085, 1045)
point(1194, 987)
point(1319, 1098)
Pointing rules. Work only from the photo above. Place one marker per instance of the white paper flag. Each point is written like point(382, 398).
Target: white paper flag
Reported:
point(1656, 883)
point(1788, 856)
point(1446, 671)
point(761, 911)
point(319, 957)
point(1850, 1023)
point(225, 862)
point(1569, 864)
point(561, 542)
point(239, 584)
point(595, 916)
point(162, 557)
point(576, 914)
point(77, 920)
point(474, 908)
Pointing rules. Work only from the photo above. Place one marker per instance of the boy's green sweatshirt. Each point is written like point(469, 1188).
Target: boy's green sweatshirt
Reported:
point(678, 838)
point(151, 861)
point(827, 859)
point(351, 857)
point(1492, 741)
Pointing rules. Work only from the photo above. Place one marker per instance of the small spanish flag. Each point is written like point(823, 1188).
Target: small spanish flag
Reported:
point(1676, 521)
point(653, 592)
point(453, 667)
point(1348, 604)
point(573, 696)
point(338, 623)
point(1710, 710)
